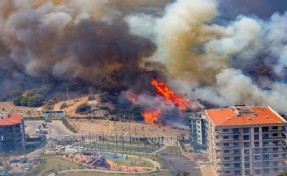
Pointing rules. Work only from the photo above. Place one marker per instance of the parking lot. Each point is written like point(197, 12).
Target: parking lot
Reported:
point(55, 129)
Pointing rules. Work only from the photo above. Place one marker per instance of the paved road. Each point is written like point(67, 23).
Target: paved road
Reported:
point(180, 163)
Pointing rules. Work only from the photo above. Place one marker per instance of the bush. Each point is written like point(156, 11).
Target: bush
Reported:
point(31, 101)
point(83, 108)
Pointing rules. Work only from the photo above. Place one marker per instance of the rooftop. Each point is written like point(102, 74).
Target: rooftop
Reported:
point(13, 119)
point(244, 115)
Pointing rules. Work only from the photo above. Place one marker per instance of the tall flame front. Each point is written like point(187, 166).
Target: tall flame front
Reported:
point(153, 115)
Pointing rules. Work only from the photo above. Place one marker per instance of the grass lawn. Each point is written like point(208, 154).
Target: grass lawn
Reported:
point(160, 173)
point(133, 162)
point(53, 163)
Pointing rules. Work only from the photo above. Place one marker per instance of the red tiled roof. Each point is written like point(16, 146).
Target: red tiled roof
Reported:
point(257, 115)
point(12, 120)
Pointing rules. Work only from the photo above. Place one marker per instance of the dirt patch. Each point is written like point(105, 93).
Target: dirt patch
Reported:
point(125, 128)
point(9, 107)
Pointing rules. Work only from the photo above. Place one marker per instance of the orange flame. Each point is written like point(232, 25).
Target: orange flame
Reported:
point(152, 117)
point(169, 95)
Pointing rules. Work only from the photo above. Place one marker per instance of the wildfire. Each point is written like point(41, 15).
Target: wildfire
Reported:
point(169, 95)
point(152, 117)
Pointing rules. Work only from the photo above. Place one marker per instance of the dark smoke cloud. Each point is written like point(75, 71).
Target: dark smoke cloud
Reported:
point(69, 39)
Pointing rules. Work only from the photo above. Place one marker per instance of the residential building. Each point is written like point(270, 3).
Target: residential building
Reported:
point(12, 133)
point(197, 131)
point(245, 140)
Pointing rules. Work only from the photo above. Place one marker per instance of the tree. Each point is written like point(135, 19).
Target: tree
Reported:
point(83, 108)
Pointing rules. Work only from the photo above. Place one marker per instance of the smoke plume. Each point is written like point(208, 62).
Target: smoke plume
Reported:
point(209, 57)
point(67, 39)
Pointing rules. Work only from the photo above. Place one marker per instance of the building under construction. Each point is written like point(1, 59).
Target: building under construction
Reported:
point(12, 133)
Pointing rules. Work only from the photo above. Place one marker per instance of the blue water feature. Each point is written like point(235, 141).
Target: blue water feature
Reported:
point(107, 155)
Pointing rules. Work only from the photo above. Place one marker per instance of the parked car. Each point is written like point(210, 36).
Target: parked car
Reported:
point(27, 168)
point(14, 161)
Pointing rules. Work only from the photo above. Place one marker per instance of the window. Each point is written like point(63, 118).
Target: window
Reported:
point(247, 172)
point(257, 171)
point(275, 149)
point(225, 130)
point(246, 144)
point(274, 128)
point(265, 136)
point(265, 143)
point(264, 129)
point(257, 151)
point(245, 130)
point(265, 150)
point(266, 171)
point(225, 151)
point(236, 144)
point(275, 169)
point(275, 155)
point(227, 172)
point(275, 134)
point(235, 137)
point(266, 163)
point(225, 137)
point(275, 163)
point(256, 130)
point(237, 172)
point(225, 144)
point(256, 144)
point(246, 158)
point(246, 151)
point(265, 157)
point(237, 158)
point(245, 137)
point(256, 137)
point(237, 165)
point(226, 165)
point(247, 165)
point(235, 130)
point(226, 158)
point(236, 151)
point(256, 164)
point(257, 157)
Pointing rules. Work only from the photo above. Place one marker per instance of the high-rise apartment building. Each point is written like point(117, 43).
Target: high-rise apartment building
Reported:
point(245, 140)
point(12, 133)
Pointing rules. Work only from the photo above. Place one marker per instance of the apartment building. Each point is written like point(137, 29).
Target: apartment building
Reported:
point(12, 133)
point(245, 140)
point(197, 131)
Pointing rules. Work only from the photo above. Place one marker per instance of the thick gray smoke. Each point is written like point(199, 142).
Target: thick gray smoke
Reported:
point(210, 58)
point(69, 39)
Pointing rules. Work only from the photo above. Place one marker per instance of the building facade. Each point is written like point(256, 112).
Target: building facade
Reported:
point(197, 131)
point(245, 140)
point(12, 133)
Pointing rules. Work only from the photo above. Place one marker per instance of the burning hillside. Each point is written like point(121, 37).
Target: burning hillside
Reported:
point(203, 54)
point(166, 100)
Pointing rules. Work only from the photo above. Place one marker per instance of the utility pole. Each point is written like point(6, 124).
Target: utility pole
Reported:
point(67, 92)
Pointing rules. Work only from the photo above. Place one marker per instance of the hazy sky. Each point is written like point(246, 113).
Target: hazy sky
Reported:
point(262, 8)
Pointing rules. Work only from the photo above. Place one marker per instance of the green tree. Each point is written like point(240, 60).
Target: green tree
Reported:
point(35, 100)
point(83, 108)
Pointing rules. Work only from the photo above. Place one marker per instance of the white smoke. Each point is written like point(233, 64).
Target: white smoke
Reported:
point(210, 56)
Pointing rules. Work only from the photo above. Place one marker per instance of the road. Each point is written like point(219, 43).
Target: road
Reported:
point(182, 164)
point(56, 128)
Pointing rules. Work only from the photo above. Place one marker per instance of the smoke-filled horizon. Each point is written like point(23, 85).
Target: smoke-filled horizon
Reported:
point(201, 52)
point(216, 60)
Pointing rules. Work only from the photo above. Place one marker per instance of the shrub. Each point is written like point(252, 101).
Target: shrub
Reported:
point(83, 108)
